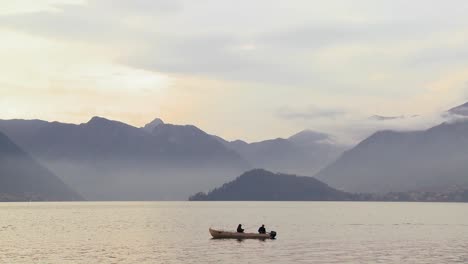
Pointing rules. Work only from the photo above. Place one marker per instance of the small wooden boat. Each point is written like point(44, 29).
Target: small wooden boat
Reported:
point(227, 234)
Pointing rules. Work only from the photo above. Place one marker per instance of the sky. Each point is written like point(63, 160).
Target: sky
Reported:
point(238, 69)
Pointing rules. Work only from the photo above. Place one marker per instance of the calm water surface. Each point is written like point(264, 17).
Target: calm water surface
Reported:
point(177, 232)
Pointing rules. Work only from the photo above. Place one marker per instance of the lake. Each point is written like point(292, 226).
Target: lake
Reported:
point(177, 232)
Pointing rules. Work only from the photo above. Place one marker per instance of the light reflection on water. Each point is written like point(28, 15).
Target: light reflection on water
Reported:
point(177, 232)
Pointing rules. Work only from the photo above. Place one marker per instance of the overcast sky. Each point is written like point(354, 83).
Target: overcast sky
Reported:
point(251, 69)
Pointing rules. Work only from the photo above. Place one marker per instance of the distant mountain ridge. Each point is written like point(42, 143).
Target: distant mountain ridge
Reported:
point(303, 153)
point(262, 185)
point(24, 179)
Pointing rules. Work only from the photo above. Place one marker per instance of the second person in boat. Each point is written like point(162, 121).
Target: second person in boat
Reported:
point(262, 230)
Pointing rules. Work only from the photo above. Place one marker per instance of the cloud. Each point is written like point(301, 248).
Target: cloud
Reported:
point(26, 6)
point(385, 118)
point(178, 37)
point(138, 7)
point(309, 113)
point(97, 21)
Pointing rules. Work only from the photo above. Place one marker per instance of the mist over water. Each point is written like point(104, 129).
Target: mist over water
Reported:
point(177, 232)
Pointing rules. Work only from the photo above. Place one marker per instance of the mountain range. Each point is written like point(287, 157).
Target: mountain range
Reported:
point(110, 160)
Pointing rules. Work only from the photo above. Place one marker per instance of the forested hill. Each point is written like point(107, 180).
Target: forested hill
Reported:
point(262, 185)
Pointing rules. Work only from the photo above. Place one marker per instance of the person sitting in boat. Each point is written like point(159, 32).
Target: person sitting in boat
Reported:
point(262, 230)
point(239, 229)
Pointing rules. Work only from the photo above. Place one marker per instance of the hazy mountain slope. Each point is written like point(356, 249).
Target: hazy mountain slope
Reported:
point(304, 153)
point(262, 185)
point(23, 179)
point(403, 161)
point(110, 160)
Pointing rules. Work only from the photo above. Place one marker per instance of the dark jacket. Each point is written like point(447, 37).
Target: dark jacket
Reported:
point(239, 229)
point(262, 230)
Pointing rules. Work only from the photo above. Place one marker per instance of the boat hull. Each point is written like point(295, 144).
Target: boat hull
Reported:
point(219, 234)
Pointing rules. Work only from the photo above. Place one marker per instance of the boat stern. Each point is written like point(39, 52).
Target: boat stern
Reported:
point(273, 234)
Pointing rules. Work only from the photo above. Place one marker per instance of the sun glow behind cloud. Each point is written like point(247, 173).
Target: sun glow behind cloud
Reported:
point(51, 80)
